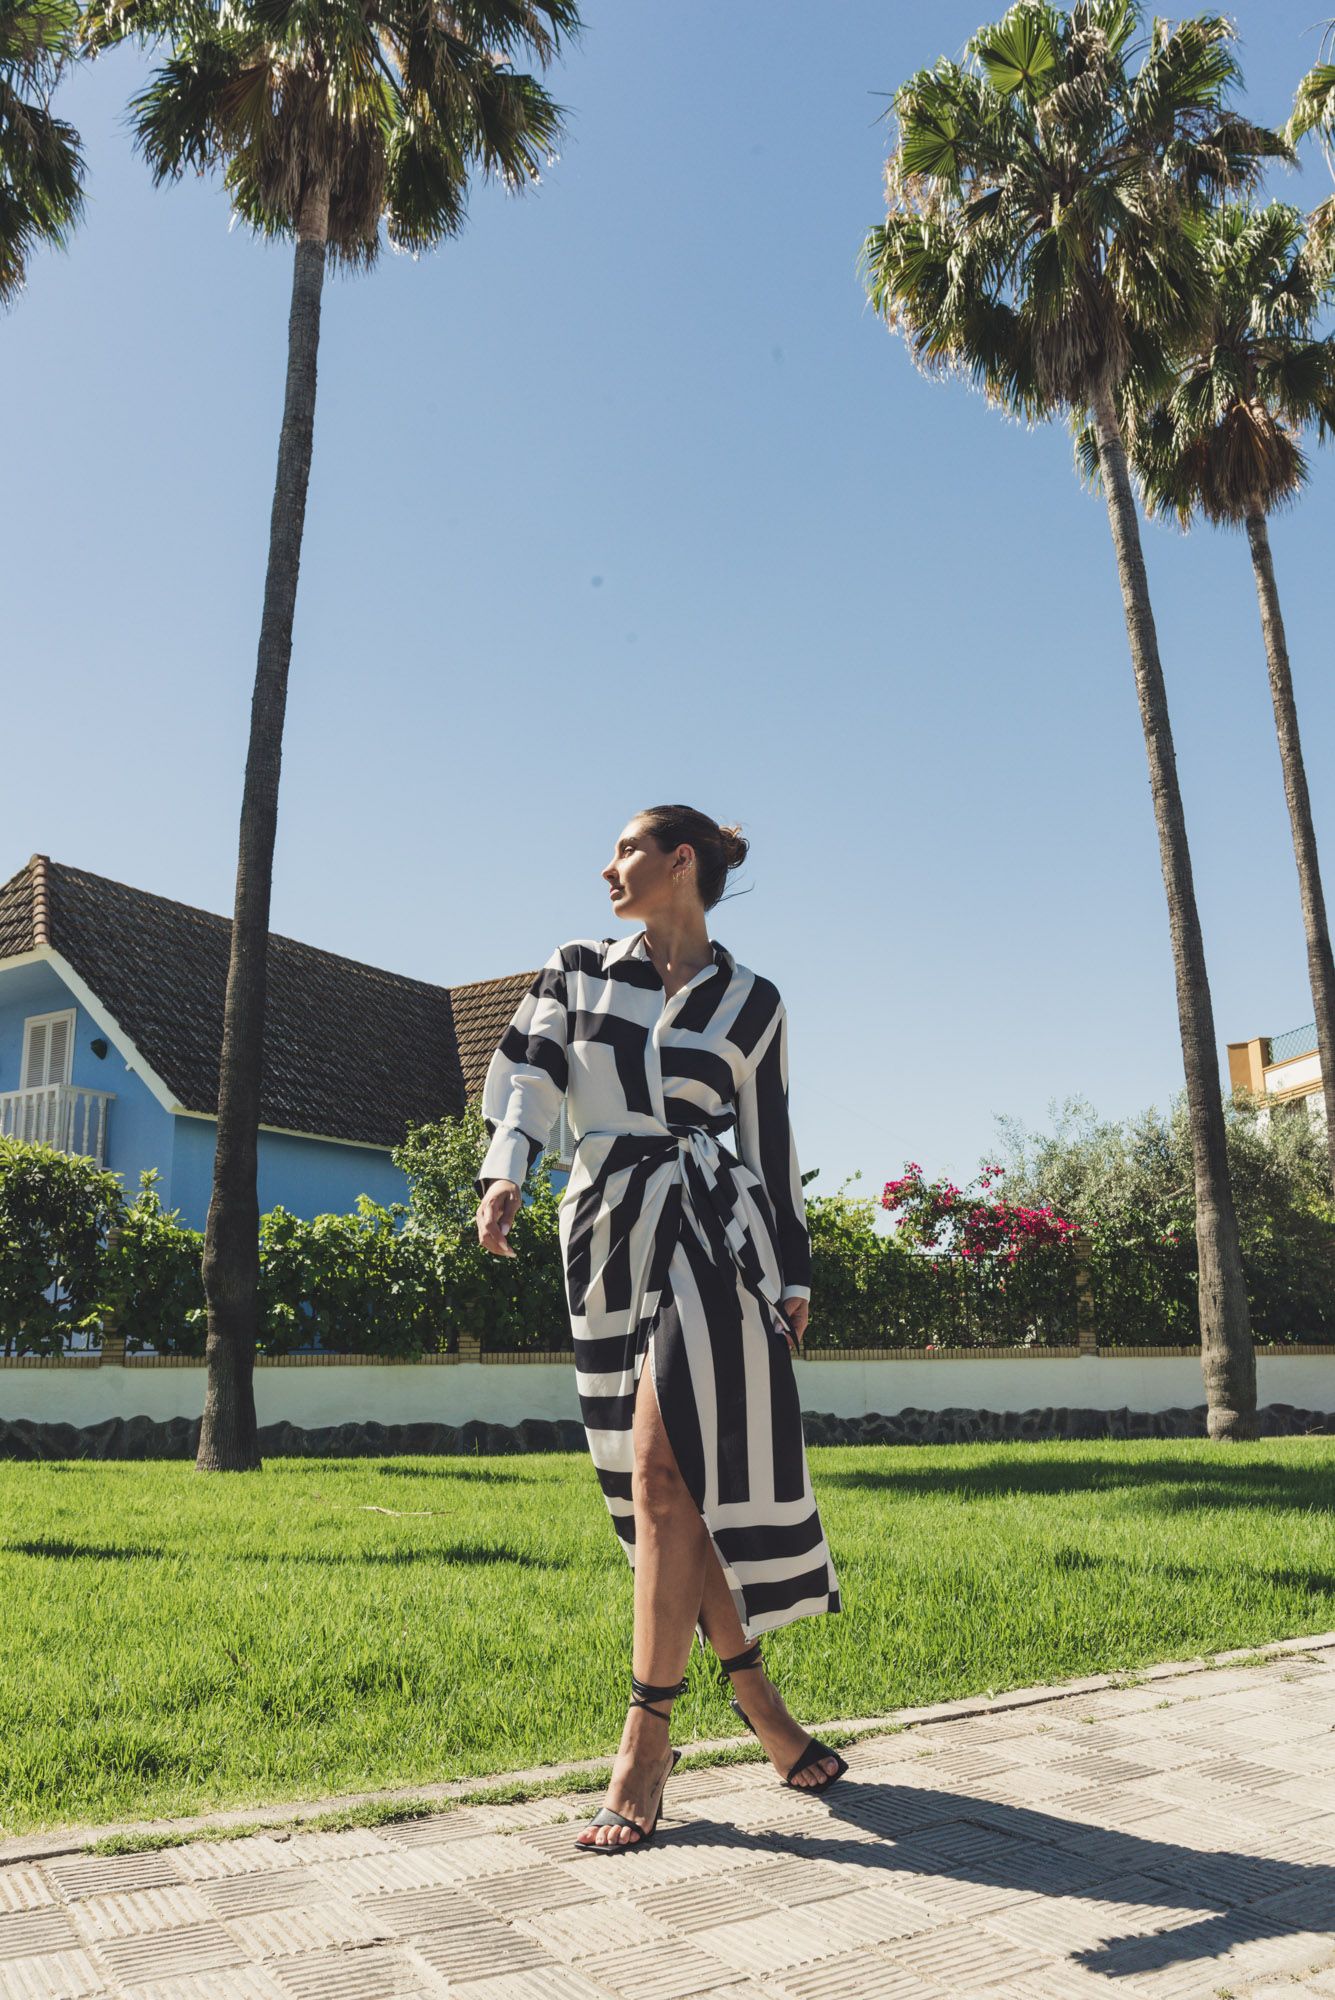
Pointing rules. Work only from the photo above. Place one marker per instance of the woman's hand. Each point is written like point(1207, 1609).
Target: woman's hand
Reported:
point(495, 1212)
point(795, 1312)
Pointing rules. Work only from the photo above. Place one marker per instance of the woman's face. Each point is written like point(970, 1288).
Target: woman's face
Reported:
point(641, 879)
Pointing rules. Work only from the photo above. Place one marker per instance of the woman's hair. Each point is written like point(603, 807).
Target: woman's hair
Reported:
point(717, 848)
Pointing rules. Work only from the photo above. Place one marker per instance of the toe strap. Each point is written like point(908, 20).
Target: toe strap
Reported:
point(606, 1817)
point(814, 1756)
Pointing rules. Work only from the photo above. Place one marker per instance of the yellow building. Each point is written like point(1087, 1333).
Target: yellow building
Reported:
point(1283, 1069)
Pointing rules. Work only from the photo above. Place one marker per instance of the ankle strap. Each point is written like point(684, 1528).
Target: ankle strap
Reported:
point(643, 1692)
point(749, 1658)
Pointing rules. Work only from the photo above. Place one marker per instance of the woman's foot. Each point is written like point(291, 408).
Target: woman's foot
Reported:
point(638, 1774)
point(783, 1739)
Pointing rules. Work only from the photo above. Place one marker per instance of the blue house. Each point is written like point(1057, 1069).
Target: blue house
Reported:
point(111, 1011)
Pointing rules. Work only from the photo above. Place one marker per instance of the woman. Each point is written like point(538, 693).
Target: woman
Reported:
point(676, 1250)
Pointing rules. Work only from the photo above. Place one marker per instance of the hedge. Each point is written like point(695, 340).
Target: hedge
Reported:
point(409, 1278)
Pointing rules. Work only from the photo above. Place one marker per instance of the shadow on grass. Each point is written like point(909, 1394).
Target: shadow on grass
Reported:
point(1229, 1898)
point(92, 1551)
point(1319, 1582)
point(460, 1553)
point(464, 1468)
point(1168, 1484)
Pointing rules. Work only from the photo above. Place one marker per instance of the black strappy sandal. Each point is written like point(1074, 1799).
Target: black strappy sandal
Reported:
point(641, 1695)
point(813, 1755)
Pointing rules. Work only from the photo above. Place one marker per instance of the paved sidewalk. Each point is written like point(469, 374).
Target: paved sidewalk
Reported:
point(1172, 1838)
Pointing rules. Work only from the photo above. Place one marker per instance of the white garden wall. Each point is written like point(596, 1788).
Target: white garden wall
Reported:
point(315, 1393)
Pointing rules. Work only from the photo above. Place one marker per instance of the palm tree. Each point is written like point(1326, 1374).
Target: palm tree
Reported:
point(327, 122)
point(1045, 200)
point(41, 160)
point(1227, 443)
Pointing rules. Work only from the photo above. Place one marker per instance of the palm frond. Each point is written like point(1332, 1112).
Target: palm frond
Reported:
point(425, 187)
point(1313, 103)
point(1088, 466)
point(1189, 70)
point(1019, 54)
point(376, 102)
point(41, 155)
point(176, 116)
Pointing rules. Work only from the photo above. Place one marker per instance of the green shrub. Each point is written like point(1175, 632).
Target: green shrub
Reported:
point(875, 1290)
point(154, 1284)
point(410, 1278)
point(366, 1283)
point(55, 1212)
point(867, 1289)
point(1129, 1184)
point(849, 1281)
point(510, 1303)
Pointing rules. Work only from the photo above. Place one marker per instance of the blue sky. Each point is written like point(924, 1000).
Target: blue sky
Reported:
point(625, 497)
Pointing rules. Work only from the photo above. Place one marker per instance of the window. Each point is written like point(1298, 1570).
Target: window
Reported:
point(48, 1049)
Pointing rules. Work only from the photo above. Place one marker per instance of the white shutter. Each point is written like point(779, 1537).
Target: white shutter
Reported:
point(34, 1060)
point(58, 1049)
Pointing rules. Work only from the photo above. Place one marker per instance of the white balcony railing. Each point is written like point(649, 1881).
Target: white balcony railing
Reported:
point(63, 1115)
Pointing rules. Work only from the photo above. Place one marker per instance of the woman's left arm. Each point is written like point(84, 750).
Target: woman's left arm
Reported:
point(765, 1141)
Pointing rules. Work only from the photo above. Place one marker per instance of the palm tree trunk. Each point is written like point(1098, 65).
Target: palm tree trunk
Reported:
point(1228, 1357)
point(228, 1439)
point(1320, 963)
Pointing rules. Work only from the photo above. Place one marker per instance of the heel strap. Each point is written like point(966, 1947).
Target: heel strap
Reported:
point(750, 1658)
point(643, 1692)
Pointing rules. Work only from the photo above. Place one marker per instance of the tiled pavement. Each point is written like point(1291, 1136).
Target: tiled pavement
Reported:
point(1172, 1838)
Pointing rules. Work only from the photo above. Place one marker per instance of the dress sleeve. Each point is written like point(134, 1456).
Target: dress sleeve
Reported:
point(526, 1080)
point(765, 1141)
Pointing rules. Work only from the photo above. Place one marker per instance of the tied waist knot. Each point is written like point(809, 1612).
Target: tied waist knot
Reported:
point(726, 1203)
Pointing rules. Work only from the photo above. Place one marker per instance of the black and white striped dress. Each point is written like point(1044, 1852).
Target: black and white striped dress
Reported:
point(674, 1245)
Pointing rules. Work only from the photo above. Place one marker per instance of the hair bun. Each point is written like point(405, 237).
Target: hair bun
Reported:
point(735, 845)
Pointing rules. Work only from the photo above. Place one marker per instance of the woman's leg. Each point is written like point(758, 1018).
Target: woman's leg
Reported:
point(670, 1549)
point(783, 1739)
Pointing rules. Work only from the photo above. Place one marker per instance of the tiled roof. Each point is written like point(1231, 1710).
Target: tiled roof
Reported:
point(350, 1051)
point(482, 1013)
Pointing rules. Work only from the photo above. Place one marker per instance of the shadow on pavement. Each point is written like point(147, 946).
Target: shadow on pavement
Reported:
point(980, 1844)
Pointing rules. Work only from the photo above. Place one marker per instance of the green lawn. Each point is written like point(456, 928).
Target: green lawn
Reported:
point(174, 1643)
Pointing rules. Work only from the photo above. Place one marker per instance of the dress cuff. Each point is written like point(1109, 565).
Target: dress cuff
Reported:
point(506, 1158)
point(795, 1292)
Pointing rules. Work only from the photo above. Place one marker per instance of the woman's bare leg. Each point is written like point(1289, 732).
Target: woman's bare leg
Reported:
point(783, 1739)
point(677, 1578)
point(670, 1549)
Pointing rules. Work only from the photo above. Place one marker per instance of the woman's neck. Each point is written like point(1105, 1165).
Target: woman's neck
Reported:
point(678, 948)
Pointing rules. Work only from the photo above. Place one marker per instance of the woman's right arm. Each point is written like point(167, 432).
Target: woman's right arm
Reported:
point(521, 1100)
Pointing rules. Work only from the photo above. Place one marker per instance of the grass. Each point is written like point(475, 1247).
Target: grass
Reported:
point(175, 1644)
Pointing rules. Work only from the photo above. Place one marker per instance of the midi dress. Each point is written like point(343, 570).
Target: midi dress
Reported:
point(674, 1246)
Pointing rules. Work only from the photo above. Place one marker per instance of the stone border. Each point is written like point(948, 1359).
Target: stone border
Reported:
point(37, 1847)
point(27, 1438)
point(140, 1437)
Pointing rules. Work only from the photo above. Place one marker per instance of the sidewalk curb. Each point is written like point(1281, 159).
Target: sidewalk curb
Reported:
point(60, 1841)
